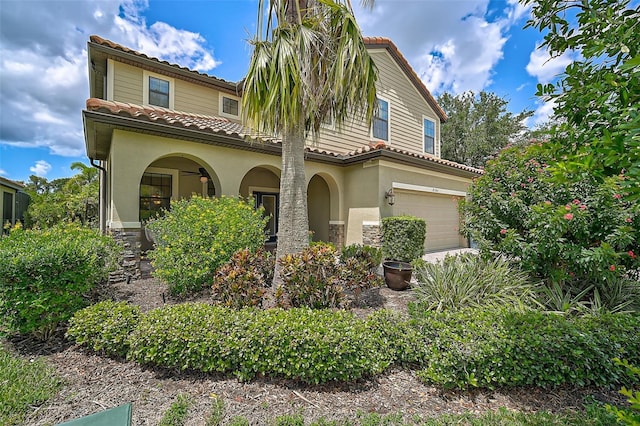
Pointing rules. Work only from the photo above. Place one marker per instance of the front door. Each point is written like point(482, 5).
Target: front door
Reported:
point(269, 201)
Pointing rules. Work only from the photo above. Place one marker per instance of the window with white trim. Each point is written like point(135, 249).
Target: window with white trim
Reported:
point(158, 90)
point(429, 135)
point(380, 123)
point(229, 106)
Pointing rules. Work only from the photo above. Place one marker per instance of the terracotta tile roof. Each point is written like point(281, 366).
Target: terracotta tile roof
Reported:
point(206, 123)
point(222, 126)
point(383, 147)
point(108, 43)
point(404, 64)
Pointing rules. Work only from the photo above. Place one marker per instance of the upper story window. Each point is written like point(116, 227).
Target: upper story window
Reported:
point(229, 106)
point(158, 90)
point(381, 121)
point(429, 135)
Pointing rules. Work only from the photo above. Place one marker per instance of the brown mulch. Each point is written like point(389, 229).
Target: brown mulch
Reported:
point(93, 383)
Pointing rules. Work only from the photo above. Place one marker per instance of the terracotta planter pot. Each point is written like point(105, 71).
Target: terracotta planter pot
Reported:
point(397, 275)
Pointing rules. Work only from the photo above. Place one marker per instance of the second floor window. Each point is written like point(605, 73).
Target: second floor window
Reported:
point(381, 121)
point(229, 106)
point(158, 92)
point(429, 130)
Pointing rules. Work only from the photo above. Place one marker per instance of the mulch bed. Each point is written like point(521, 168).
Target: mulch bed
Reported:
point(93, 383)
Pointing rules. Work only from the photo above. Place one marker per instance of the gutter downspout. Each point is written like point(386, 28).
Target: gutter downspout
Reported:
point(102, 201)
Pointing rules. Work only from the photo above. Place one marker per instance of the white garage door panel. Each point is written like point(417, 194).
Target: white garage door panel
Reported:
point(439, 211)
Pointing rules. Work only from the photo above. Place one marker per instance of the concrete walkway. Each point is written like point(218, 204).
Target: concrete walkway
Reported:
point(436, 256)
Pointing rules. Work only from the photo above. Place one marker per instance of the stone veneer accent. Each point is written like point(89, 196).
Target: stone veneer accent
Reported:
point(372, 234)
point(336, 234)
point(130, 267)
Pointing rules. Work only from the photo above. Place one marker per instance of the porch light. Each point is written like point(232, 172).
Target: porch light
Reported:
point(390, 196)
point(204, 181)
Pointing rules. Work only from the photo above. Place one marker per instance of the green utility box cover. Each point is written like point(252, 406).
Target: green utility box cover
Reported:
point(118, 416)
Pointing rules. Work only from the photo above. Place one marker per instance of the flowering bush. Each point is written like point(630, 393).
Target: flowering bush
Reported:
point(198, 235)
point(580, 233)
point(45, 275)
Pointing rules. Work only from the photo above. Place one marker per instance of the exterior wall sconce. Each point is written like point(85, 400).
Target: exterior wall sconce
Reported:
point(390, 196)
point(204, 181)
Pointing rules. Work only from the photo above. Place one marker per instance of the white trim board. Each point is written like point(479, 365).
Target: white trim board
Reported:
point(427, 189)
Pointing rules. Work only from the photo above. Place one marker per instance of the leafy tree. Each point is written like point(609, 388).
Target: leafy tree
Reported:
point(598, 97)
point(478, 126)
point(65, 199)
point(309, 64)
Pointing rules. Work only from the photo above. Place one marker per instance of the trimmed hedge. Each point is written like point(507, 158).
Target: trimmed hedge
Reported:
point(489, 348)
point(470, 347)
point(311, 346)
point(403, 238)
point(105, 327)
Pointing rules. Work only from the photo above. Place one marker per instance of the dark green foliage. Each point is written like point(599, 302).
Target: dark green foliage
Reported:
point(479, 125)
point(404, 342)
point(244, 280)
point(46, 275)
point(580, 235)
point(489, 348)
point(469, 280)
point(199, 235)
point(358, 265)
point(105, 327)
point(24, 384)
point(597, 98)
point(403, 238)
point(311, 346)
point(628, 415)
point(311, 278)
point(368, 255)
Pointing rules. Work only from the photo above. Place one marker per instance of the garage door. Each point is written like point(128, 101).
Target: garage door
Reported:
point(439, 211)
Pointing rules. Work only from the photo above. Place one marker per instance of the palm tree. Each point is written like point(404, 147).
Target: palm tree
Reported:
point(309, 65)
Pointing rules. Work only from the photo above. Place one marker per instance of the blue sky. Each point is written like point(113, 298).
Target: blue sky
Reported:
point(453, 45)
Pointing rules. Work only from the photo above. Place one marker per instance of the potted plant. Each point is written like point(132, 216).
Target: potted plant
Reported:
point(397, 274)
point(402, 242)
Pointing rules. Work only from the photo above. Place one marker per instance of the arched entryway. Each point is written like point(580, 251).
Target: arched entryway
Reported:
point(170, 178)
point(263, 184)
point(319, 208)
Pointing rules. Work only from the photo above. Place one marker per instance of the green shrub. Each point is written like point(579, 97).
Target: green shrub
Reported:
point(243, 281)
point(199, 235)
point(312, 346)
point(631, 415)
point(403, 238)
point(311, 278)
point(369, 256)
point(489, 348)
point(580, 234)
point(24, 384)
point(177, 413)
point(468, 280)
point(45, 275)
point(395, 332)
point(105, 327)
point(358, 267)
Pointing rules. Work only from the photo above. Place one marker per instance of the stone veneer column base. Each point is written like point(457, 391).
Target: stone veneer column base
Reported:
point(130, 266)
point(372, 234)
point(336, 234)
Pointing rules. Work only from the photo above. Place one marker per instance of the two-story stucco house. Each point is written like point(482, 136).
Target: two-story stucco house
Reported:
point(160, 132)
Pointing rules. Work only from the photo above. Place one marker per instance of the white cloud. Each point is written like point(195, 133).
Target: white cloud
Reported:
point(41, 168)
point(542, 114)
point(452, 47)
point(44, 67)
point(546, 68)
point(3, 172)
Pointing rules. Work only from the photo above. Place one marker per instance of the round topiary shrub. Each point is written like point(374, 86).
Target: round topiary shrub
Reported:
point(199, 235)
point(403, 238)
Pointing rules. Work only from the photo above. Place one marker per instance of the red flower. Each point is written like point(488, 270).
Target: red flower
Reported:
point(568, 216)
point(503, 231)
point(617, 196)
point(631, 254)
point(628, 220)
point(576, 202)
point(567, 207)
point(548, 203)
point(583, 207)
point(612, 268)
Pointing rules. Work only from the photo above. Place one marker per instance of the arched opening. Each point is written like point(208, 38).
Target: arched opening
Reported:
point(170, 178)
point(319, 208)
point(263, 184)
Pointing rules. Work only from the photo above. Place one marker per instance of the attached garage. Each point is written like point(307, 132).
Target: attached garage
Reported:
point(438, 207)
